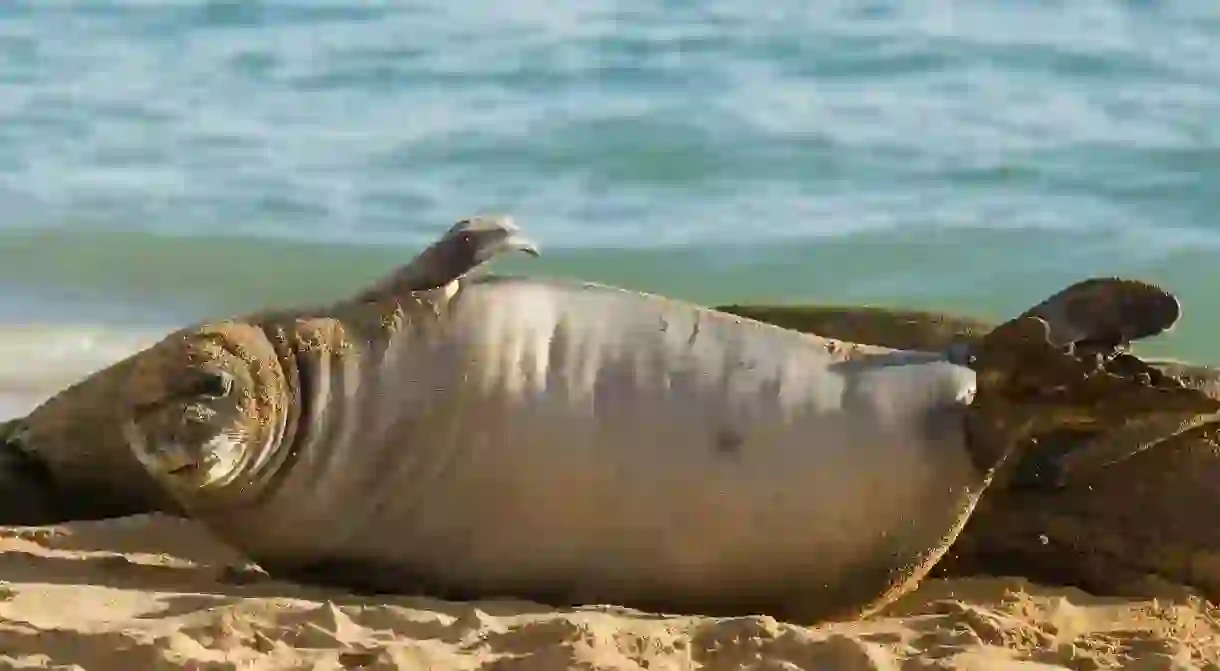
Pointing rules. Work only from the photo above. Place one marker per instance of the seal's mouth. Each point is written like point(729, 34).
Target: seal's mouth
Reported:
point(176, 463)
point(166, 459)
point(172, 462)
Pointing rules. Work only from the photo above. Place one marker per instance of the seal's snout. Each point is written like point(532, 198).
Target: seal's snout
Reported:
point(160, 457)
point(186, 459)
point(174, 459)
point(187, 440)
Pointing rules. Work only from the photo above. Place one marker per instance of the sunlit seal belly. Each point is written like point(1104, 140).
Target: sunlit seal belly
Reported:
point(560, 437)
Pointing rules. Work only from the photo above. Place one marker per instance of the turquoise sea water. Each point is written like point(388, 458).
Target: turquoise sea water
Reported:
point(163, 161)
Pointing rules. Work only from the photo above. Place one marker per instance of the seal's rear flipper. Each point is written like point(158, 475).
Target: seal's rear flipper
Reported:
point(467, 245)
point(1107, 312)
point(1029, 387)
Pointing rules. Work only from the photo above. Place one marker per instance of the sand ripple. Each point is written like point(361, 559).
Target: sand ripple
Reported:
point(157, 593)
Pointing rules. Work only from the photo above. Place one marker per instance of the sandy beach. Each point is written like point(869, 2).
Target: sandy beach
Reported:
point(152, 592)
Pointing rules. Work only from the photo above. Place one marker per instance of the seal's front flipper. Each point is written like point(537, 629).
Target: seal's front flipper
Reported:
point(467, 245)
point(1107, 313)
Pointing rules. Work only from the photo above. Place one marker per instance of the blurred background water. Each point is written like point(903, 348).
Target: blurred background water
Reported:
point(167, 160)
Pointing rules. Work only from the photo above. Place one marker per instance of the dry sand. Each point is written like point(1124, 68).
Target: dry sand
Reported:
point(151, 592)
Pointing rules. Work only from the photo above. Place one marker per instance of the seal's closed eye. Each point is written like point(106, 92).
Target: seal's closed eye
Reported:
point(214, 384)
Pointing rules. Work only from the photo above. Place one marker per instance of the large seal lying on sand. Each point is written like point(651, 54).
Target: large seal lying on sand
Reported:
point(574, 443)
point(1127, 506)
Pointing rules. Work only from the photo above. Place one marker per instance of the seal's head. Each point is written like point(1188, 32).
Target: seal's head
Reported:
point(212, 405)
point(206, 404)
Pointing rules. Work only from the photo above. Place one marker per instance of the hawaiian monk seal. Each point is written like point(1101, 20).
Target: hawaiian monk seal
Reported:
point(575, 443)
point(1130, 505)
point(67, 459)
point(1139, 511)
point(1094, 306)
point(1093, 313)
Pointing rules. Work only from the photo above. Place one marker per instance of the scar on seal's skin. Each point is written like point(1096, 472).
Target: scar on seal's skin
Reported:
point(728, 443)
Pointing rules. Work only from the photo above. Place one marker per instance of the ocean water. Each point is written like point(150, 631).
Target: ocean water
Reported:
point(163, 161)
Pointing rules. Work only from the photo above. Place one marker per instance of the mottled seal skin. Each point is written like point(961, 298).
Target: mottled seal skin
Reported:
point(1104, 313)
point(887, 327)
point(1098, 317)
point(1152, 516)
point(1141, 503)
point(576, 443)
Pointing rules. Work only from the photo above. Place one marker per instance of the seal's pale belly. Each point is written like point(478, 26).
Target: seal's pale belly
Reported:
point(615, 446)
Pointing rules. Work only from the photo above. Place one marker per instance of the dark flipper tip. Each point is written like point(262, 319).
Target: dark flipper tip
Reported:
point(1108, 311)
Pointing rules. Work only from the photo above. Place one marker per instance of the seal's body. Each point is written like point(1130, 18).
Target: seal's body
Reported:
point(584, 443)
